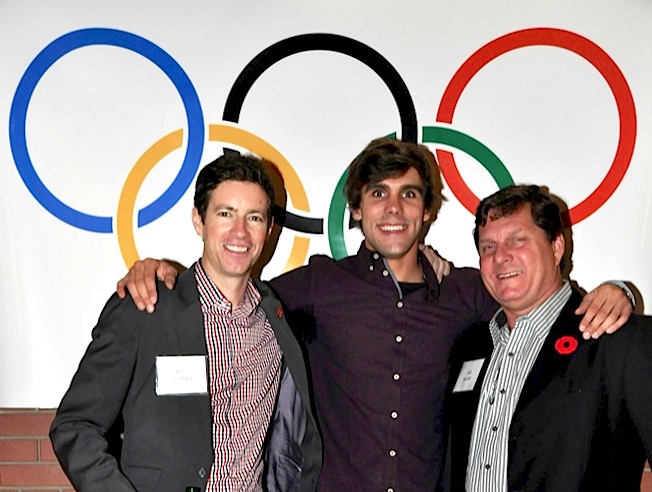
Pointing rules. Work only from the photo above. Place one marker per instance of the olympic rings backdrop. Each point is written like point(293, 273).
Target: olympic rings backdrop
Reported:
point(108, 111)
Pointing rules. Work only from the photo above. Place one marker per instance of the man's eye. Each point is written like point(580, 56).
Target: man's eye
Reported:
point(377, 193)
point(517, 241)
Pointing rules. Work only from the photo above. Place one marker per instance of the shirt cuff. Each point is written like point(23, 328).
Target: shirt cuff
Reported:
point(623, 286)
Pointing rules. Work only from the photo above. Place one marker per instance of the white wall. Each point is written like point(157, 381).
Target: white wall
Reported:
point(546, 112)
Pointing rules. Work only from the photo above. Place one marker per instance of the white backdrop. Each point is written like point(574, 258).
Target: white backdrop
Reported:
point(77, 113)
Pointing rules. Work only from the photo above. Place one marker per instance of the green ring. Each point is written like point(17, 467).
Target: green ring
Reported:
point(336, 220)
point(472, 147)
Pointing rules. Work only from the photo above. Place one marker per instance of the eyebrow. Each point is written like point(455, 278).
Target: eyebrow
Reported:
point(405, 187)
point(511, 233)
point(414, 187)
point(223, 206)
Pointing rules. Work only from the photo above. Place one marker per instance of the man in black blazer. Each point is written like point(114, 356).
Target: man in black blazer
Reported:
point(533, 405)
point(212, 388)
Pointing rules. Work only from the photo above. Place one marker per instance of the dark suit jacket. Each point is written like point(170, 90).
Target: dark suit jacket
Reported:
point(167, 441)
point(583, 421)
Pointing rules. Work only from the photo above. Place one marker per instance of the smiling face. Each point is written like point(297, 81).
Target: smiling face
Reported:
point(518, 264)
point(234, 231)
point(391, 215)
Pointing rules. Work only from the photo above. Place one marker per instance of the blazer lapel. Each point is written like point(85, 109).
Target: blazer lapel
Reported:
point(290, 348)
point(188, 324)
point(553, 359)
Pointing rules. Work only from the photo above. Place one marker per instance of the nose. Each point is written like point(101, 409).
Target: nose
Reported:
point(501, 254)
point(240, 227)
point(393, 204)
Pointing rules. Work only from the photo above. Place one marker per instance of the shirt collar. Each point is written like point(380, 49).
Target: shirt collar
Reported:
point(213, 298)
point(540, 318)
point(375, 265)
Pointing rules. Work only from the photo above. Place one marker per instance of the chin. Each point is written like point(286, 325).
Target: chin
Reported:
point(393, 251)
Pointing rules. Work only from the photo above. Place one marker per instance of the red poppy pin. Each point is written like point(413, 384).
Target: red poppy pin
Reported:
point(279, 312)
point(566, 345)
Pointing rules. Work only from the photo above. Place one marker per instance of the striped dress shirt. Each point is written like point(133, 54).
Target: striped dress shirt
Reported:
point(244, 364)
point(511, 361)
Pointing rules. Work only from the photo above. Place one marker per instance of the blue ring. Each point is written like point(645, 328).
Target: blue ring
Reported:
point(18, 115)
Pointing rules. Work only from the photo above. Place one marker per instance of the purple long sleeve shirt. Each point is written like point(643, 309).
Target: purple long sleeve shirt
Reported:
point(379, 356)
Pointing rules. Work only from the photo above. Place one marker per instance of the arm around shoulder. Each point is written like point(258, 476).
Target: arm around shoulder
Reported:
point(296, 287)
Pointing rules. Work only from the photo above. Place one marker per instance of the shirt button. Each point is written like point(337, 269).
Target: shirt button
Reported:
point(390, 489)
point(502, 391)
point(385, 273)
point(399, 304)
point(511, 354)
point(494, 428)
point(392, 453)
point(376, 256)
point(202, 472)
point(394, 415)
point(487, 466)
point(398, 339)
point(397, 376)
point(371, 268)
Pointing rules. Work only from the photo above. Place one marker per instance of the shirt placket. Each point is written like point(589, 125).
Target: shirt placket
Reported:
point(393, 409)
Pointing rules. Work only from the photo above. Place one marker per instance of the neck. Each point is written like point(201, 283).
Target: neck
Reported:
point(234, 293)
point(232, 288)
point(407, 268)
point(512, 316)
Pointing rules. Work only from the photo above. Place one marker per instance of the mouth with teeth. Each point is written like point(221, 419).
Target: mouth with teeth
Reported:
point(502, 276)
point(392, 228)
point(233, 248)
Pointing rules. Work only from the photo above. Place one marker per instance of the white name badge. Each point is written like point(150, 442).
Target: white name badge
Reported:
point(181, 375)
point(468, 375)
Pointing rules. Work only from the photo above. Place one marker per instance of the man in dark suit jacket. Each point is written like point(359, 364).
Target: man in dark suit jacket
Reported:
point(533, 405)
point(151, 370)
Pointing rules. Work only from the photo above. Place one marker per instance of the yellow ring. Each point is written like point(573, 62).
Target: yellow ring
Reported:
point(216, 133)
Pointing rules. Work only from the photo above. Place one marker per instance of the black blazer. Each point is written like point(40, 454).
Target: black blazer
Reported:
point(583, 421)
point(167, 441)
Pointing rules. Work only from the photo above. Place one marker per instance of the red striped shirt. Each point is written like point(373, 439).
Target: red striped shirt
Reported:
point(244, 363)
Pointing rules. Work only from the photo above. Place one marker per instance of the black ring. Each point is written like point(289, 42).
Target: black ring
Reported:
point(325, 42)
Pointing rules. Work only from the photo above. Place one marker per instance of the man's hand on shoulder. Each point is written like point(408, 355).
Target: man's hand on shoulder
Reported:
point(140, 281)
point(605, 310)
point(441, 266)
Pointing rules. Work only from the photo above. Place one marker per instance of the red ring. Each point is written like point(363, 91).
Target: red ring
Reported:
point(579, 45)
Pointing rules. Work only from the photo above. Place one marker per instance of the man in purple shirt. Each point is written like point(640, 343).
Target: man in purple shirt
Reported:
point(379, 326)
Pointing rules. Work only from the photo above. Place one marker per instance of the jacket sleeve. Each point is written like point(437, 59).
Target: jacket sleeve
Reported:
point(637, 378)
point(94, 401)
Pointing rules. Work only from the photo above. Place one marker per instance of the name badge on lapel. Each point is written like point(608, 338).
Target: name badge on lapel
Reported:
point(468, 375)
point(181, 375)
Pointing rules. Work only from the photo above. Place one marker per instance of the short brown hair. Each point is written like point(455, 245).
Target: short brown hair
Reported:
point(387, 158)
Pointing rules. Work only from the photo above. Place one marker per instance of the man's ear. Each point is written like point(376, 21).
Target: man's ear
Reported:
point(271, 226)
point(559, 248)
point(356, 214)
point(197, 222)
